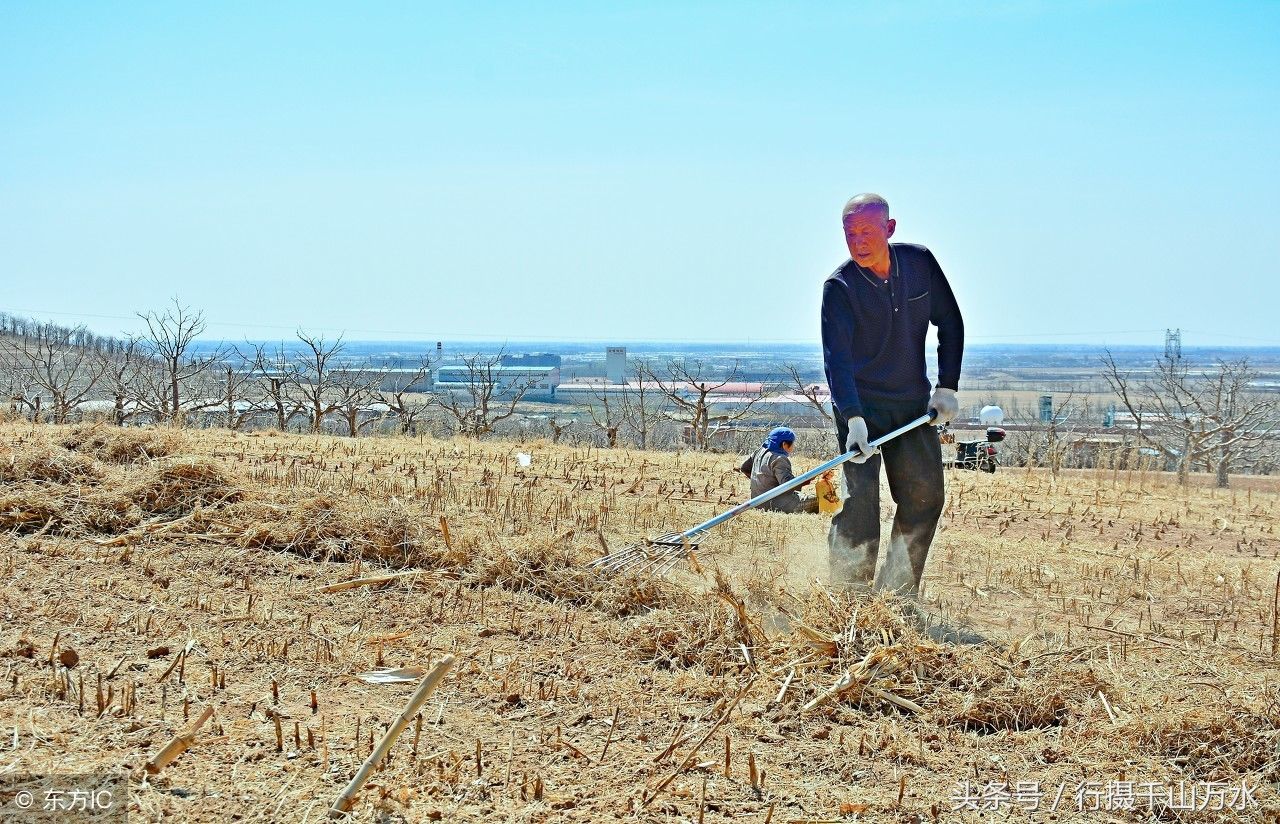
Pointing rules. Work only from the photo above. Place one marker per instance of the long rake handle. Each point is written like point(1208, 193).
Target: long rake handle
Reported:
point(801, 480)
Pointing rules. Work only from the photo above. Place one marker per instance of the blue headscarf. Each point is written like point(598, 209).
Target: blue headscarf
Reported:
point(777, 438)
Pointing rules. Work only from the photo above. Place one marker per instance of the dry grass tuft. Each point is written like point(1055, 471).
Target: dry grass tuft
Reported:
point(1215, 743)
point(553, 567)
point(874, 649)
point(48, 463)
point(118, 445)
point(985, 698)
point(332, 527)
point(53, 490)
point(681, 638)
point(177, 486)
point(28, 507)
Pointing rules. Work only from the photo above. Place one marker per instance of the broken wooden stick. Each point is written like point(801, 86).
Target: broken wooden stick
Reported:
point(844, 682)
point(782, 693)
point(178, 745)
point(613, 725)
point(896, 700)
point(1106, 705)
point(346, 799)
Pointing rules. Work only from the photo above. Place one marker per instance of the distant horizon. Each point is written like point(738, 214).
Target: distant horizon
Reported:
point(1127, 338)
point(530, 345)
point(973, 342)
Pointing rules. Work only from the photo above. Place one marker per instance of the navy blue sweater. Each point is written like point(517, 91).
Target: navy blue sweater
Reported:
point(873, 330)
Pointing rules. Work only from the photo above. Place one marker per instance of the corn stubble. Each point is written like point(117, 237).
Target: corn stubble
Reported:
point(1134, 624)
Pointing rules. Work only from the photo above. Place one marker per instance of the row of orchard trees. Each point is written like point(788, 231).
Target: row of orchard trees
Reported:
point(1221, 418)
point(1211, 417)
point(164, 374)
point(1217, 419)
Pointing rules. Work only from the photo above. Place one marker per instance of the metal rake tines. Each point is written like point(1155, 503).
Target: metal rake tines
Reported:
point(654, 556)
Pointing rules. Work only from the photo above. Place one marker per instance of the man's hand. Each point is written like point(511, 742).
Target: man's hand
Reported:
point(944, 402)
point(857, 441)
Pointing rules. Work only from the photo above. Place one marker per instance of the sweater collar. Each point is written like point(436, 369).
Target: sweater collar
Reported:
point(872, 277)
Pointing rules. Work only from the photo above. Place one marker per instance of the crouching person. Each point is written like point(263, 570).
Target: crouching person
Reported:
point(770, 467)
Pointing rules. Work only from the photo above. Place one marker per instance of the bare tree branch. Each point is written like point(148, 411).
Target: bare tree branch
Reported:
point(402, 401)
point(811, 392)
point(57, 366)
point(168, 342)
point(694, 398)
point(312, 377)
point(486, 397)
point(1214, 418)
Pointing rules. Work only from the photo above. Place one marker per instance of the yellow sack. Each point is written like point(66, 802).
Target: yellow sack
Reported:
point(829, 502)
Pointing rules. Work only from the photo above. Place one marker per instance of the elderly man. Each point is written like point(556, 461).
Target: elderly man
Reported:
point(876, 310)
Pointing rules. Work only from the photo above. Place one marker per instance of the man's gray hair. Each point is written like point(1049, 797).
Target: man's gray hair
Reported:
point(867, 200)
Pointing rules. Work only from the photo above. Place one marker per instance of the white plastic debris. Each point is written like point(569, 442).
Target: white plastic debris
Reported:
point(405, 675)
point(524, 458)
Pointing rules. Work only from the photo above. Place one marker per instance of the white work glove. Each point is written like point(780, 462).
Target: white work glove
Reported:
point(945, 403)
point(858, 441)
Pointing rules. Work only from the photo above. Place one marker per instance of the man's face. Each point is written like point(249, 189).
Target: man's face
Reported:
point(867, 232)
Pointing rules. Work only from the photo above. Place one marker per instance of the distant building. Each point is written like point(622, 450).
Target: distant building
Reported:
point(584, 389)
point(542, 380)
point(788, 406)
point(396, 380)
point(532, 359)
point(615, 364)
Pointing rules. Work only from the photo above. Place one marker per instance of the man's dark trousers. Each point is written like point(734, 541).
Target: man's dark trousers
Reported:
point(913, 464)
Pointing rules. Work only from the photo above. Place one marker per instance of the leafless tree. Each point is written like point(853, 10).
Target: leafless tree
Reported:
point(314, 379)
point(355, 389)
point(406, 397)
point(240, 398)
point(559, 428)
point(692, 397)
point(1213, 417)
point(273, 374)
point(12, 381)
point(11, 385)
point(486, 397)
point(67, 372)
point(811, 392)
point(1035, 442)
point(176, 385)
point(121, 366)
point(644, 404)
point(607, 414)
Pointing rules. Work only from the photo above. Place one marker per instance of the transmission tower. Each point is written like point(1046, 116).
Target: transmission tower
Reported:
point(1173, 344)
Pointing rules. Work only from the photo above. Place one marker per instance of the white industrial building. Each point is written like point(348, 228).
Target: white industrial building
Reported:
point(615, 364)
point(542, 380)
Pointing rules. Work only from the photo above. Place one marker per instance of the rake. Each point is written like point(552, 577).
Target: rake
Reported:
point(656, 556)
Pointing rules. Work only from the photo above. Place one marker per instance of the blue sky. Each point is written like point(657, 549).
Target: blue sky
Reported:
point(1084, 171)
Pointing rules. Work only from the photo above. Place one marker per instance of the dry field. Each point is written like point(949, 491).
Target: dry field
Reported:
point(151, 575)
